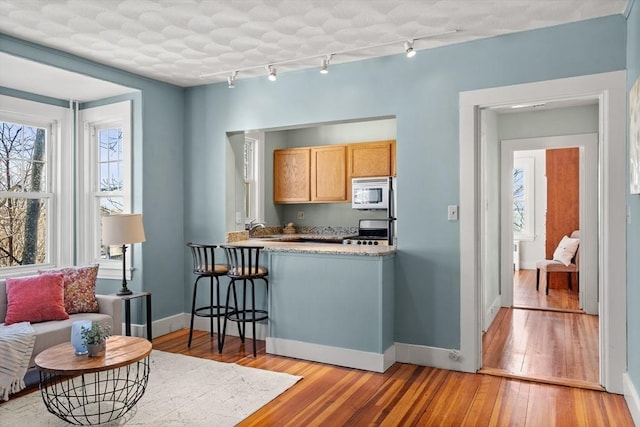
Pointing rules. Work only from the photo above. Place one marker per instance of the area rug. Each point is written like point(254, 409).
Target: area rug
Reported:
point(182, 391)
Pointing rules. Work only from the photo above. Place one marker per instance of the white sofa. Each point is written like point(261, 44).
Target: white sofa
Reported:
point(55, 332)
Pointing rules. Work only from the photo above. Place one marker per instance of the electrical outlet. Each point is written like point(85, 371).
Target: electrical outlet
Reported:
point(300, 214)
point(452, 213)
point(238, 217)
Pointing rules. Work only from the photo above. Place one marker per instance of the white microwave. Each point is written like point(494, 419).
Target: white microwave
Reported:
point(370, 193)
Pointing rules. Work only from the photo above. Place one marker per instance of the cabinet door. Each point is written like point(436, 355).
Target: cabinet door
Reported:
point(328, 173)
point(371, 159)
point(291, 175)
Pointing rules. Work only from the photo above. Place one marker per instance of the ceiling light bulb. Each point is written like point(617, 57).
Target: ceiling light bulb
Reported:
point(272, 73)
point(408, 49)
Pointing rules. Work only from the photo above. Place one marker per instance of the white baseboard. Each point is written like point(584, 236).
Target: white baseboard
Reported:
point(491, 313)
point(632, 398)
point(333, 355)
point(527, 265)
point(429, 356)
point(180, 321)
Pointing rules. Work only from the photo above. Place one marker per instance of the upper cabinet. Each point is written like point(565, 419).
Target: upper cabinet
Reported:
point(328, 173)
point(372, 159)
point(323, 173)
point(291, 176)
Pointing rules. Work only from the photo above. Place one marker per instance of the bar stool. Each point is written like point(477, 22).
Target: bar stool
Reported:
point(244, 265)
point(204, 265)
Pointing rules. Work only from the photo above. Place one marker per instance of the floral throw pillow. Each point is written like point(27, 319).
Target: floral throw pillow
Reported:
point(79, 288)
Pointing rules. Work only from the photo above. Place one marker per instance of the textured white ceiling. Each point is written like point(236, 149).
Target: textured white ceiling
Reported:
point(179, 41)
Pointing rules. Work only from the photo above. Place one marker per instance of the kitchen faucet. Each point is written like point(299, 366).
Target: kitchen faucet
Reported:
point(253, 226)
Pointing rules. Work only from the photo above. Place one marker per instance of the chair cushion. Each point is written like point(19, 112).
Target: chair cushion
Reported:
point(79, 288)
point(551, 266)
point(240, 272)
point(217, 268)
point(566, 250)
point(35, 299)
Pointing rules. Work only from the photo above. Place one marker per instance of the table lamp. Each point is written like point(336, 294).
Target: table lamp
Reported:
point(122, 229)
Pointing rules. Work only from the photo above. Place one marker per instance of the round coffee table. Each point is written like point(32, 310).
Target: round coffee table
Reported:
point(85, 390)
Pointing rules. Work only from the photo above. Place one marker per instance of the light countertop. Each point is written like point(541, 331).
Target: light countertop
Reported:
point(316, 247)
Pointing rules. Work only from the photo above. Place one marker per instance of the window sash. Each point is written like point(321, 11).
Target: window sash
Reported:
point(94, 120)
point(56, 188)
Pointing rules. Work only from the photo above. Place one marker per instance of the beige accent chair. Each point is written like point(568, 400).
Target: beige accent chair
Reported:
point(551, 266)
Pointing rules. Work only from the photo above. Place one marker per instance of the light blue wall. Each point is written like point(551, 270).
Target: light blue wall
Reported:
point(158, 183)
point(422, 93)
point(633, 225)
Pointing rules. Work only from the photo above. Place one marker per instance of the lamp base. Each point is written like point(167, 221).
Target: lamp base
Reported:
point(124, 291)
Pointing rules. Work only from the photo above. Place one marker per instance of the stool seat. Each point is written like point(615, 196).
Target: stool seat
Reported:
point(244, 266)
point(204, 265)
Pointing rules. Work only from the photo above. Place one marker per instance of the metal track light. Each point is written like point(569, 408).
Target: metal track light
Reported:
point(408, 49)
point(272, 73)
point(231, 80)
point(324, 65)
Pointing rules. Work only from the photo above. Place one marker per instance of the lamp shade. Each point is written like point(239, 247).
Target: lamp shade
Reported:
point(122, 229)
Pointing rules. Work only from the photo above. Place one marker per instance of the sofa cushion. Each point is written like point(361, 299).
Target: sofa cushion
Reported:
point(79, 288)
point(35, 299)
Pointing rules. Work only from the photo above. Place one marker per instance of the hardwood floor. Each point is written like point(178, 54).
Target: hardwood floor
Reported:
point(407, 395)
point(555, 342)
point(526, 296)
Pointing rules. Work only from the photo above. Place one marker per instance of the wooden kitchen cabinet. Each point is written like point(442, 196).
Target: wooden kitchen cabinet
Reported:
point(328, 173)
point(372, 159)
point(291, 175)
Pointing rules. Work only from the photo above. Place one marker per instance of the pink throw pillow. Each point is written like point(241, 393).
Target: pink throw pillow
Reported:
point(35, 299)
point(79, 288)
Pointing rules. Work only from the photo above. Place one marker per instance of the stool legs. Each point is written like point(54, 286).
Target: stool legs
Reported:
point(245, 314)
point(213, 310)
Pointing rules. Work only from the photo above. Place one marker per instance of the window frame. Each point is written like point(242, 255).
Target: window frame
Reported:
point(89, 216)
point(59, 160)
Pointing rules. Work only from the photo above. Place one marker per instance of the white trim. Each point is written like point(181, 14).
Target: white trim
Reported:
point(367, 361)
point(610, 89)
point(632, 398)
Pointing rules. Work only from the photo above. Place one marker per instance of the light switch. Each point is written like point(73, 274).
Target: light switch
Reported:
point(452, 213)
point(238, 217)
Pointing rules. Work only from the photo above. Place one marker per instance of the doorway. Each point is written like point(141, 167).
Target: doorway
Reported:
point(537, 341)
point(610, 91)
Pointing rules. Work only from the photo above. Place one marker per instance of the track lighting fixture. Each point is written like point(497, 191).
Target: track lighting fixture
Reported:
point(324, 65)
point(272, 73)
point(231, 80)
point(408, 49)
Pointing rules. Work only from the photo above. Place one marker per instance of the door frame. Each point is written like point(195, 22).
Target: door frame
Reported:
point(610, 91)
point(588, 211)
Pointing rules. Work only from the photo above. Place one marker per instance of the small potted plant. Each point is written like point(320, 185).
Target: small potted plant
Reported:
point(94, 338)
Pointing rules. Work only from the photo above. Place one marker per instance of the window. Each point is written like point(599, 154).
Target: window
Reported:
point(34, 190)
point(25, 199)
point(105, 182)
point(253, 160)
point(523, 205)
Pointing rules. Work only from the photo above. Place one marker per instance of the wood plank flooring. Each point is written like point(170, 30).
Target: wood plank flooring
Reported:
point(526, 296)
point(406, 395)
point(555, 342)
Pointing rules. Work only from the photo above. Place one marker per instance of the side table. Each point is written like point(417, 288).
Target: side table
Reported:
point(127, 311)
